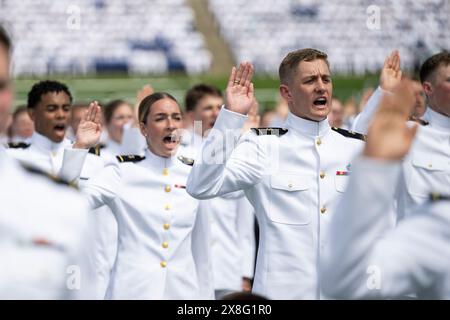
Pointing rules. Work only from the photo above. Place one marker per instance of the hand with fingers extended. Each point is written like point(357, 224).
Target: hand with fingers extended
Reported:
point(90, 128)
point(142, 93)
point(391, 74)
point(389, 136)
point(239, 92)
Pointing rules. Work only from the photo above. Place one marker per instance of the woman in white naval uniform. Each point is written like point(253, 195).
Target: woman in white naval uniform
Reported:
point(163, 246)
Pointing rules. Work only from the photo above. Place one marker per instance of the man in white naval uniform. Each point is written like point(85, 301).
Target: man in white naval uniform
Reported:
point(427, 165)
point(231, 216)
point(368, 262)
point(292, 175)
point(44, 227)
point(49, 105)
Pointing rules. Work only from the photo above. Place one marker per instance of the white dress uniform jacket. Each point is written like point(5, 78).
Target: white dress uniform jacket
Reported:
point(163, 238)
point(365, 261)
point(427, 166)
point(45, 235)
point(292, 181)
point(59, 159)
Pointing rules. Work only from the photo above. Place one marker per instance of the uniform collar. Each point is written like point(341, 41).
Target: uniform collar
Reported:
point(437, 120)
point(45, 143)
point(158, 161)
point(307, 127)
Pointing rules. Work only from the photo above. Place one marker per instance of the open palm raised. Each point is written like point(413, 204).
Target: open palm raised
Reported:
point(239, 92)
point(90, 129)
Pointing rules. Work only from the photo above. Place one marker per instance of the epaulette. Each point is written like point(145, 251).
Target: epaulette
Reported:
point(130, 158)
point(18, 145)
point(187, 161)
point(54, 178)
point(419, 121)
point(96, 150)
point(435, 196)
point(269, 131)
point(350, 134)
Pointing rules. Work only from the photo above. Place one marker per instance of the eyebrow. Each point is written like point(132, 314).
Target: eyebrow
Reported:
point(315, 76)
point(165, 114)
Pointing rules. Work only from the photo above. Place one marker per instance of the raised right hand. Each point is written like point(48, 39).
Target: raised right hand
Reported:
point(240, 91)
point(391, 74)
point(389, 136)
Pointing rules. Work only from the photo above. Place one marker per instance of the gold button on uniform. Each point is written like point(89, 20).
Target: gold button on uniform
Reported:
point(430, 165)
point(165, 245)
point(167, 189)
point(166, 226)
point(318, 141)
point(165, 172)
point(322, 174)
point(323, 209)
point(167, 207)
point(163, 264)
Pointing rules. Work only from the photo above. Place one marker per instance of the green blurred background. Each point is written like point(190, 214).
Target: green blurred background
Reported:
point(106, 87)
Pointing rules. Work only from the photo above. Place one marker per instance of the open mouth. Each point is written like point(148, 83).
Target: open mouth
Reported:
point(171, 139)
point(60, 128)
point(320, 101)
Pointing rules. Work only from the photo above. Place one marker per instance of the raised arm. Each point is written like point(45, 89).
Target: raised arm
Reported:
point(390, 77)
point(226, 165)
point(87, 136)
point(353, 262)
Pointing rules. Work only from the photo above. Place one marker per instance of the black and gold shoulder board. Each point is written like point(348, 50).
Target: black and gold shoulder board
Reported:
point(130, 158)
point(18, 145)
point(96, 150)
point(419, 121)
point(435, 196)
point(188, 161)
point(54, 178)
point(350, 134)
point(269, 131)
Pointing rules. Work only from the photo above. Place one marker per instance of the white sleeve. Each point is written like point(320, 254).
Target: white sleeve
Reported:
point(246, 233)
point(73, 161)
point(222, 167)
point(103, 187)
point(362, 121)
point(202, 254)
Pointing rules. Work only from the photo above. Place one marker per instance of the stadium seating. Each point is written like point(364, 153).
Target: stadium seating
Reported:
point(264, 31)
point(88, 36)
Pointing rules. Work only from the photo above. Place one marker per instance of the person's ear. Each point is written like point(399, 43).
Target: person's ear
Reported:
point(285, 92)
point(427, 88)
point(142, 127)
point(31, 113)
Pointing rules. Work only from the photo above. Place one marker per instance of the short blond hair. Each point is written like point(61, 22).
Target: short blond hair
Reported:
point(288, 66)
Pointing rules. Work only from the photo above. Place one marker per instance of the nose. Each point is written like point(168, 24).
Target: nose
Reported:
point(320, 87)
point(170, 124)
point(60, 113)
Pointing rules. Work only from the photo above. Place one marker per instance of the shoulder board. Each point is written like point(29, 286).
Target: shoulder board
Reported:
point(54, 178)
point(269, 131)
point(419, 121)
point(130, 158)
point(434, 196)
point(18, 145)
point(187, 161)
point(350, 134)
point(96, 150)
